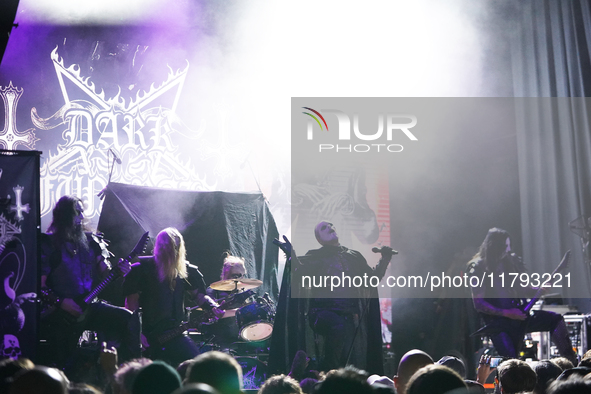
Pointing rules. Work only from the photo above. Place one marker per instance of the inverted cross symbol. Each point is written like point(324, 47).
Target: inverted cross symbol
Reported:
point(10, 137)
point(19, 208)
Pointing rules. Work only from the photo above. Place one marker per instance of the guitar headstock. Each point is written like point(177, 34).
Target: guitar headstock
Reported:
point(140, 247)
point(563, 263)
point(124, 266)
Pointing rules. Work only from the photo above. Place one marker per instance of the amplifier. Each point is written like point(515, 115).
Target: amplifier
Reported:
point(578, 329)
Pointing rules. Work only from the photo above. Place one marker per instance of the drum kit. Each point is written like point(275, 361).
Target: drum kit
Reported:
point(255, 325)
point(255, 319)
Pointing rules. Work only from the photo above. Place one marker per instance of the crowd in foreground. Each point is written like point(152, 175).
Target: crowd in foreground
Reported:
point(218, 373)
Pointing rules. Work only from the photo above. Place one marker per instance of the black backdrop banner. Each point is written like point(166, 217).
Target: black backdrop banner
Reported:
point(211, 223)
point(19, 221)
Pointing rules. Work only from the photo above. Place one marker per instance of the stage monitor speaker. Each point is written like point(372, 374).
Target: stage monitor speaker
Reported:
point(578, 328)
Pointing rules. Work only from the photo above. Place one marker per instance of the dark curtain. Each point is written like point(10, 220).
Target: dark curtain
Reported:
point(550, 47)
point(289, 328)
point(211, 223)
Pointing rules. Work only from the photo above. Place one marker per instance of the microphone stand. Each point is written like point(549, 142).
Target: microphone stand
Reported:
point(101, 194)
point(363, 311)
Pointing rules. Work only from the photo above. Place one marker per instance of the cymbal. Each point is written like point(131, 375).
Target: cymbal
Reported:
point(232, 284)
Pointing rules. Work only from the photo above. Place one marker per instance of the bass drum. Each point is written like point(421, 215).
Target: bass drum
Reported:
point(254, 372)
point(255, 322)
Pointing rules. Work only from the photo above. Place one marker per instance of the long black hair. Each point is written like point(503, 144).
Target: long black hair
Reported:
point(62, 225)
point(493, 247)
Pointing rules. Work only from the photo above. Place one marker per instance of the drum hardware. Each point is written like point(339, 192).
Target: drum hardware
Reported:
point(266, 299)
point(235, 284)
point(208, 342)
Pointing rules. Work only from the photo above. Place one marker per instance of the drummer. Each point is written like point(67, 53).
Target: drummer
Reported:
point(226, 329)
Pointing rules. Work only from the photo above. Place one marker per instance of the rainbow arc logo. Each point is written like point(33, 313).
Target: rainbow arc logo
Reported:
point(315, 118)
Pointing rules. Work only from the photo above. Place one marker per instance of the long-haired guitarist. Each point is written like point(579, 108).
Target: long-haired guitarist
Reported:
point(159, 286)
point(502, 305)
point(72, 262)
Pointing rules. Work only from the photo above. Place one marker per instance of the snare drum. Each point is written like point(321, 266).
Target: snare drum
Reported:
point(255, 322)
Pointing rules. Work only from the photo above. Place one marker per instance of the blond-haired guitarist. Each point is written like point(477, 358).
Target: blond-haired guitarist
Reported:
point(159, 285)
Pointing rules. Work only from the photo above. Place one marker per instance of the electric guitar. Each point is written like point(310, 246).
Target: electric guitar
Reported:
point(501, 323)
point(50, 301)
point(198, 317)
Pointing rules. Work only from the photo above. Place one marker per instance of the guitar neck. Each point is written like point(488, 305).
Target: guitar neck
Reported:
point(168, 335)
point(533, 301)
point(563, 264)
point(101, 286)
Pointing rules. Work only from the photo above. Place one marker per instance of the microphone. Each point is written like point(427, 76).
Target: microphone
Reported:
point(117, 159)
point(383, 248)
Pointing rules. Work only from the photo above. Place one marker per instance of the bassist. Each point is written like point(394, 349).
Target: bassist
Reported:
point(72, 262)
point(502, 306)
